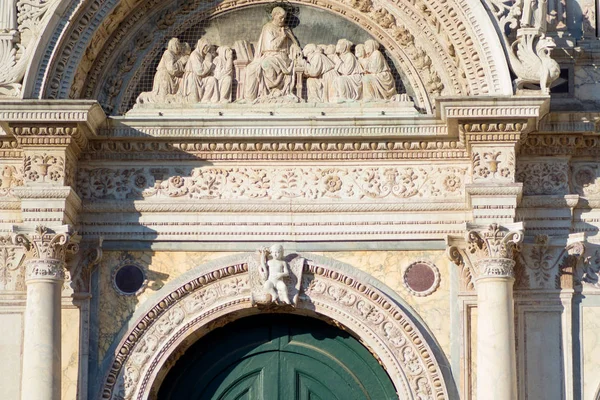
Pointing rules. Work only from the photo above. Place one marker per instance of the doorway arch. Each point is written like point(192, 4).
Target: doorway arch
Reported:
point(277, 356)
point(218, 292)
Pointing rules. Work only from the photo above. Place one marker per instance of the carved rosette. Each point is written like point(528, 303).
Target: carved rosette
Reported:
point(46, 252)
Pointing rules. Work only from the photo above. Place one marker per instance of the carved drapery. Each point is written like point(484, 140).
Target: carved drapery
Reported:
point(196, 304)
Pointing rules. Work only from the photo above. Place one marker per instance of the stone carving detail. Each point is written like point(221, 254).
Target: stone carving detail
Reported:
point(11, 259)
point(488, 252)
point(274, 70)
point(365, 310)
point(46, 252)
point(44, 167)
point(542, 266)
point(586, 181)
point(77, 279)
point(21, 23)
point(10, 176)
point(273, 279)
point(543, 178)
point(591, 271)
point(309, 183)
point(529, 53)
point(493, 163)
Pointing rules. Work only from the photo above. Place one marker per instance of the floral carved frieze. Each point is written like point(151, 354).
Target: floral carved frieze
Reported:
point(214, 295)
point(543, 178)
point(243, 183)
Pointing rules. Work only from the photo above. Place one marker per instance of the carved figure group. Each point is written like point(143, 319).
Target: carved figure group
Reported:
point(334, 73)
point(185, 76)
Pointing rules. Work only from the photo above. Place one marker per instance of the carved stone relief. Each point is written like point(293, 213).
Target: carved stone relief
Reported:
point(273, 71)
point(493, 163)
point(274, 280)
point(12, 272)
point(543, 178)
point(308, 183)
point(543, 266)
point(376, 320)
point(586, 180)
point(529, 50)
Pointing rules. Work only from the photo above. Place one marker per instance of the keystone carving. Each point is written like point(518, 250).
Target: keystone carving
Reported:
point(274, 279)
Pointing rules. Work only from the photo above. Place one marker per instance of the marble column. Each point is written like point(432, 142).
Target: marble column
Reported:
point(45, 273)
point(488, 255)
point(496, 357)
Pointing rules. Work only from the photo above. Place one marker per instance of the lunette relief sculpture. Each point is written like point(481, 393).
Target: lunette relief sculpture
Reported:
point(274, 70)
point(274, 279)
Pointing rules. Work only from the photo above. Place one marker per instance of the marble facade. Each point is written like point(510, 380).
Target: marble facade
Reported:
point(443, 212)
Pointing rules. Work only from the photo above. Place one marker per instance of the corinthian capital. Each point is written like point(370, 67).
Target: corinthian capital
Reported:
point(46, 251)
point(488, 251)
point(494, 242)
point(45, 243)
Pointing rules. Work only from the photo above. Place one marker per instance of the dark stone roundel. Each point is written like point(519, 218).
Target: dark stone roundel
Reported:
point(421, 278)
point(129, 279)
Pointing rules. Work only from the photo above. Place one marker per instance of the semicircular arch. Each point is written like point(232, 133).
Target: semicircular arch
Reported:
point(447, 47)
point(195, 303)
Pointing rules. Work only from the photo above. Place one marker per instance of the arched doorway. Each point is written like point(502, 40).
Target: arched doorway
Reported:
point(277, 356)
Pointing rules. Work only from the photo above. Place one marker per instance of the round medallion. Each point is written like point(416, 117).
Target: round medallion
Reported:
point(129, 279)
point(421, 278)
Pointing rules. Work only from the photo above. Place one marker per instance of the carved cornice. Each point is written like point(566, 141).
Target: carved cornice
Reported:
point(49, 135)
point(280, 150)
point(573, 144)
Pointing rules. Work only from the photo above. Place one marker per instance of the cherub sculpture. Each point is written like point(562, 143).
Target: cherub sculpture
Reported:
point(274, 272)
point(274, 279)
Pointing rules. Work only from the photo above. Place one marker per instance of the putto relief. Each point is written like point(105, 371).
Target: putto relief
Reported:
point(275, 69)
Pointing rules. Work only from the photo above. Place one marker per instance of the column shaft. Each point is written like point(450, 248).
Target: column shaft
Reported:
point(41, 378)
point(496, 357)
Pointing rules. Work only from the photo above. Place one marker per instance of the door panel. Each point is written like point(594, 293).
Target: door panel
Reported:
point(276, 356)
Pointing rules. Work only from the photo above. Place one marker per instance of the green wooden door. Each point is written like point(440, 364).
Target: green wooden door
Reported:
point(277, 357)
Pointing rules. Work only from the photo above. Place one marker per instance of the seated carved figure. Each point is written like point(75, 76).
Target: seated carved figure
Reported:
point(223, 72)
point(198, 83)
point(266, 74)
point(378, 81)
point(347, 86)
point(320, 74)
point(168, 74)
point(361, 55)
